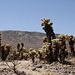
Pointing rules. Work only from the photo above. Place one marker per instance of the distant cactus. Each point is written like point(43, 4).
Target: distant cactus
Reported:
point(22, 44)
point(25, 56)
point(8, 47)
point(18, 46)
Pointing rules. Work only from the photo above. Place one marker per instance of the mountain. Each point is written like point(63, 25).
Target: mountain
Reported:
point(30, 39)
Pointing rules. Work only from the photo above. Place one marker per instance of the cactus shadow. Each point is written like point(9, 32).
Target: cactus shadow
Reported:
point(67, 63)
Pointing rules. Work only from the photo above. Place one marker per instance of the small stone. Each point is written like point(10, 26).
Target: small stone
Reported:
point(38, 66)
point(45, 67)
point(22, 73)
point(33, 69)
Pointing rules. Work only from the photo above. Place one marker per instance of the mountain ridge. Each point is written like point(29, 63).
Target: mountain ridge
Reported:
point(30, 39)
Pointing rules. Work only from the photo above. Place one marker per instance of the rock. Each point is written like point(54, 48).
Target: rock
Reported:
point(33, 69)
point(47, 70)
point(22, 73)
point(38, 66)
point(45, 67)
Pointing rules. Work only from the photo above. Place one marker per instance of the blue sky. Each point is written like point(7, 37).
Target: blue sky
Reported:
point(24, 15)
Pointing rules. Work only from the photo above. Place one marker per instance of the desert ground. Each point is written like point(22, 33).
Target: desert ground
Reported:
point(26, 67)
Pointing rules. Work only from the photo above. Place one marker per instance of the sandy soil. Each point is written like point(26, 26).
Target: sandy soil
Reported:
point(56, 68)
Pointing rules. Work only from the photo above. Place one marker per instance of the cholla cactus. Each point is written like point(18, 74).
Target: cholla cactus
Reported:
point(30, 49)
point(25, 56)
point(8, 47)
point(24, 50)
point(62, 46)
point(44, 52)
point(71, 43)
point(5, 51)
point(22, 44)
point(44, 39)
point(48, 29)
point(18, 46)
point(16, 54)
point(33, 54)
point(55, 48)
point(67, 53)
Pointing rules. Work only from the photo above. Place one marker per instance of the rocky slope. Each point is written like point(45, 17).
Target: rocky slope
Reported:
point(30, 39)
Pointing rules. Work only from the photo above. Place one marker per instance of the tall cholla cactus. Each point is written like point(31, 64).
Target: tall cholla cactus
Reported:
point(62, 46)
point(55, 49)
point(71, 43)
point(48, 29)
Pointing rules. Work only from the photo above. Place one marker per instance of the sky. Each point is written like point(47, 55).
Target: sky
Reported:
point(24, 15)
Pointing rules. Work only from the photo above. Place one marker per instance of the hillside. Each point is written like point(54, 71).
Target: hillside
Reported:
point(30, 39)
